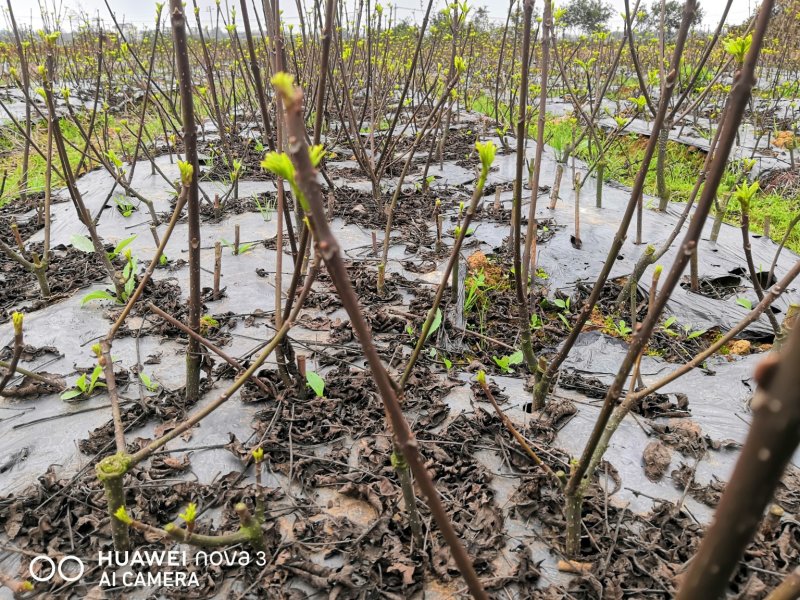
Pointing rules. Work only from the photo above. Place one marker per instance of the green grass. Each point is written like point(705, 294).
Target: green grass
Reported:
point(681, 171)
point(122, 143)
point(12, 145)
point(626, 155)
point(780, 209)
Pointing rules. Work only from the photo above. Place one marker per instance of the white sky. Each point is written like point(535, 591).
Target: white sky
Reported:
point(142, 12)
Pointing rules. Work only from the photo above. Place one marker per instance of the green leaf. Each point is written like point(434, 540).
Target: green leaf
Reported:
point(745, 303)
point(190, 514)
point(130, 283)
point(670, 322)
point(69, 394)
point(279, 164)
point(516, 358)
point(114, 159)
point(80, 383)
point(98, 295)
point(148, 383)
point(437, 322)
point(98, 370)
point(695, 334)
point(82, 243)
point(502, 362)
point(316, 383)
point(122, 245)
point(316, 154)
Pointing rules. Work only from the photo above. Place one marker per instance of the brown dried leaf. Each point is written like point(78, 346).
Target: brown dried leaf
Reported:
point(656, 459)
point(407, 571)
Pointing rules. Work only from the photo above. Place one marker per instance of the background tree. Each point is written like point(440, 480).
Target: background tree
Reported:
point(480, 19)
point(673, 9)
point(588, 16)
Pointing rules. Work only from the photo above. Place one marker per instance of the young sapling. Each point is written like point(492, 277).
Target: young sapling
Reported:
point(148, 382)
point(86, 385)
point(316, 383)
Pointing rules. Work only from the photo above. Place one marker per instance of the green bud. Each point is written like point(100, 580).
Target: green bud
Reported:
point(17, 318)
point(399, 461)
point(187, 171)
point(122, 515)
point(487, 152)
point(284, 84)
point(316, 154)
point(278, 163)
point(745, 204)
point(190, 514)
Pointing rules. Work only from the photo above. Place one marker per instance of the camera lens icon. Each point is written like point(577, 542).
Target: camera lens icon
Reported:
point(59, 568)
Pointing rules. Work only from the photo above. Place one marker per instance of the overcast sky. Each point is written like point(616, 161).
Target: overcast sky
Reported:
point(141, 12)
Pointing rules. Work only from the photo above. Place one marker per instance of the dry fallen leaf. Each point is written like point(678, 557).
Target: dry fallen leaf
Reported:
point(656, 459)
point(407, 571)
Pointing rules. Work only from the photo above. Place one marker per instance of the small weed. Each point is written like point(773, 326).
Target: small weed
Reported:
point(151, 385)
point(316, 383)
point(506, 362)
point(125, 207)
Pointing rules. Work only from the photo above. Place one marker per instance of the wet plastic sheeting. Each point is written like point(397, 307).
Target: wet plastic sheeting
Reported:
point(713, 402)
point(567, 265)
point(718, 398)
point(96, 186)
point(38, 432)
point(598, 355)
